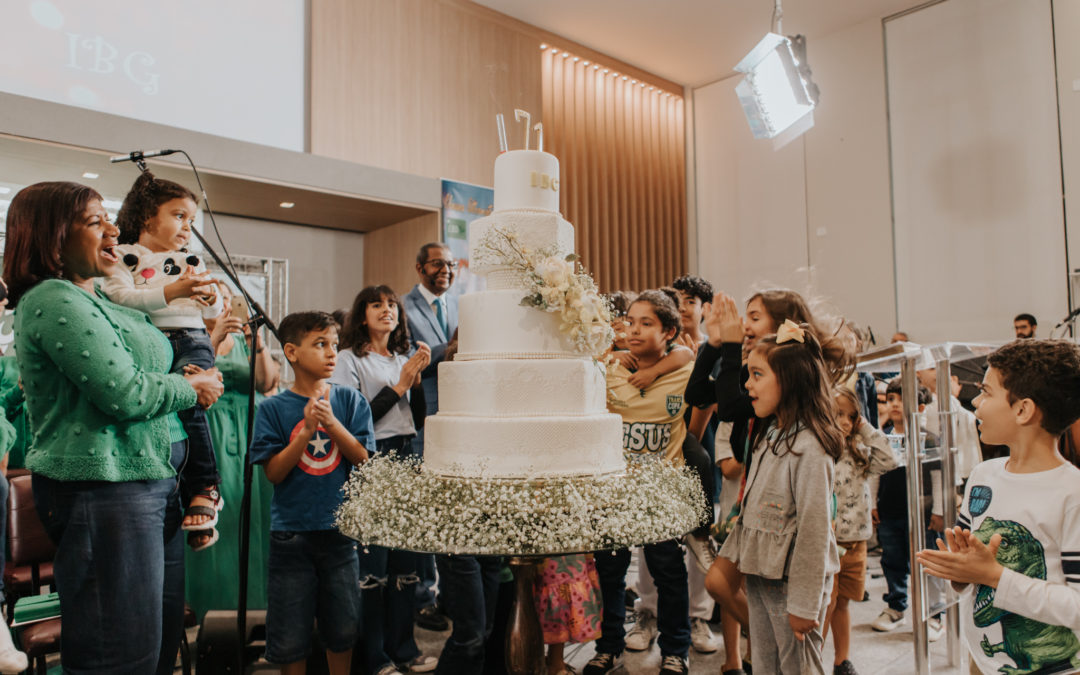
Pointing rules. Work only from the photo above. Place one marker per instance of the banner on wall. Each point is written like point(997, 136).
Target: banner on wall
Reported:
point(462, 204)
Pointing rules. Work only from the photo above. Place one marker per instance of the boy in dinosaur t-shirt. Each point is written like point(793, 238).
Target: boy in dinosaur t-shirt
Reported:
point(1015, 551)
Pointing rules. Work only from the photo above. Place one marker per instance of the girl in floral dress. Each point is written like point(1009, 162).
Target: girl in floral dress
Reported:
point(567, 595)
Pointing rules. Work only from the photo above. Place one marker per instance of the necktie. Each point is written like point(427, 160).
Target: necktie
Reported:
point(441, 316)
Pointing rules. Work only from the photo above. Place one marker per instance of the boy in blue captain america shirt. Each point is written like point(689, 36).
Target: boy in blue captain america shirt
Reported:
point(307, 439)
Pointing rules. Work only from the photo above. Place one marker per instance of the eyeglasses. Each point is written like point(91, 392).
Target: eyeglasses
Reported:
point(439, 264)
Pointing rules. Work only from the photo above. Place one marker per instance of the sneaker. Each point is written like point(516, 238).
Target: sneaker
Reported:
point(701, 636)
point(432, 618)
point(11, 659)
point(935, 630)
point(844, 668)
point(890, 619)
point(421, 664)
point(674, 664)
point(602, 663)
point(389, 669)
point(702, 550)
point(641, 636)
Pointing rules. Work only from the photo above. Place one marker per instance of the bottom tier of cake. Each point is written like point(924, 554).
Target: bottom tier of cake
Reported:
point(531, 447)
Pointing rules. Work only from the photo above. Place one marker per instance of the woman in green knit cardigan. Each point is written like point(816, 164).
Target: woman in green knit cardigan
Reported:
point(105, 439)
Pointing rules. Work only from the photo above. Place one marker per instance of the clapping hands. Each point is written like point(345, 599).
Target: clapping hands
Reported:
point(722, 320)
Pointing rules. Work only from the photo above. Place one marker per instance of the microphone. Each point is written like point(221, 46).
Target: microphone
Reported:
point(138, 155)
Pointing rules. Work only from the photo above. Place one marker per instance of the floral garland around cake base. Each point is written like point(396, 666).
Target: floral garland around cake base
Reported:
point(392, 502)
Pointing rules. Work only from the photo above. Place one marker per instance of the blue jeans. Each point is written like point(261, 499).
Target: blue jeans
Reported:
point(192, 346)
point(895, 564)
point(119, 570)
point(425, 562)
point(387, 604)
point(4, 488)
point(470, 586)
point(311, 576)
point(665, 563)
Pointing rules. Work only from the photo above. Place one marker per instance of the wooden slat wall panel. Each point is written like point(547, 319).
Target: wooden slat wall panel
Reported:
point(621, 149)
point(414, 85)
point(397, 270)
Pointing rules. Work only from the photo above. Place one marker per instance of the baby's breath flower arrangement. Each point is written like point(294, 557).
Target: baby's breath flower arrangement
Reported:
point(554, 282)
point(392, 502)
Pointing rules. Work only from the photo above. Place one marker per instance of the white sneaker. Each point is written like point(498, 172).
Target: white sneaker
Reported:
point(11, 659)
point(701, 636)
point(935, 630)
point(641, 636)
point(889, 620)
point(702, 550)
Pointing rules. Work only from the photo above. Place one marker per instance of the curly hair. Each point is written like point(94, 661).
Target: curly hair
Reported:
point(665, 309)
point(695, 287)
point(355, 335)
point(806, 390)
point(142, 202)
point(1048, 373)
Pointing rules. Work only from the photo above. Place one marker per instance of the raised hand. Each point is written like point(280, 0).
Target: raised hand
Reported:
point(722, 320)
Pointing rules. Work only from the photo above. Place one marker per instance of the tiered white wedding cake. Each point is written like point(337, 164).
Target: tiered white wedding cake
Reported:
point(518, 400)
point(523, 457)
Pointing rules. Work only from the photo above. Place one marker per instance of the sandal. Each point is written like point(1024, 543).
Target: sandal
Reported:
point(210, 492)
point(195, 535)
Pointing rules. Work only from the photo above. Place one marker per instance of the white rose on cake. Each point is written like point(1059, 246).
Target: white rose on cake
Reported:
point(555, 271)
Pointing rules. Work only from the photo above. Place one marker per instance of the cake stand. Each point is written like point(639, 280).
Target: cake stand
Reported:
point(395, 503)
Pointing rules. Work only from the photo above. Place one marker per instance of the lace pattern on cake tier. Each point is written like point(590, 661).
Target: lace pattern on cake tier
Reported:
point(480, 356)
point(504, 278)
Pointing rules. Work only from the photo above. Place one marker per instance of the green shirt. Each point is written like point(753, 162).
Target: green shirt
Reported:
point(99, 395)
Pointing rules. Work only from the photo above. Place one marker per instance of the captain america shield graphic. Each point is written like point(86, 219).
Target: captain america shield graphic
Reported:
point(321, 455)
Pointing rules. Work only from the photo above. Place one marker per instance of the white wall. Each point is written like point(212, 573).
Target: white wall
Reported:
point(814, 215)
point(825, 200)
point(325, 266)
point(976, 168)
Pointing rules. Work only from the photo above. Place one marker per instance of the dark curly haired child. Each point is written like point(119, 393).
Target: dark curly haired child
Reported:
point(1015, 550)
point(161, 277)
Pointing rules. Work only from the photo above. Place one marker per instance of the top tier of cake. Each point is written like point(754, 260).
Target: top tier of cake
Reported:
point(527, 179)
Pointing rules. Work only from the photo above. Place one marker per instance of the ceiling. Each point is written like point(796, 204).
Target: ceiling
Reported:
point(692, 42)
point(230, 194)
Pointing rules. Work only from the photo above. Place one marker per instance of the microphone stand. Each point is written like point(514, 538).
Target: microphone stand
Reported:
point(259, 318)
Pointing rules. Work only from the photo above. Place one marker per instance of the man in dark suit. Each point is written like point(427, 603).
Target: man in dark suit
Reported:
point(432, 317)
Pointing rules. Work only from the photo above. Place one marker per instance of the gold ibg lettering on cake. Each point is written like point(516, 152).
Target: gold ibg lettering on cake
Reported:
point(543, 181)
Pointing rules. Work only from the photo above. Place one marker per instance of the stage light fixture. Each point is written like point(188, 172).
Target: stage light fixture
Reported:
point(777, 93)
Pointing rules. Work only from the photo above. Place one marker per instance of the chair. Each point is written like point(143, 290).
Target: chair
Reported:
point(31, 547)
point(20, 580)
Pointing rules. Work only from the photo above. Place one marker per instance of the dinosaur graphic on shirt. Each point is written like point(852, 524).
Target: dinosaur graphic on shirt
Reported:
point(1031, 644)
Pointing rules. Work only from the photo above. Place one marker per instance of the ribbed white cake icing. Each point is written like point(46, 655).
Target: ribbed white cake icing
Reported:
point(522, 388)
point(527, 179)
point(494, 322)
point(536, 230)
point(529, 447)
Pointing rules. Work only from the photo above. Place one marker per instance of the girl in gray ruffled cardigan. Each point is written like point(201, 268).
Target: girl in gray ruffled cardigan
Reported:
point(783, 541)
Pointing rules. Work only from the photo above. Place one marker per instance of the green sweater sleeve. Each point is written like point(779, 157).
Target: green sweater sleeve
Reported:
point(7, 436)
point(89, 350)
